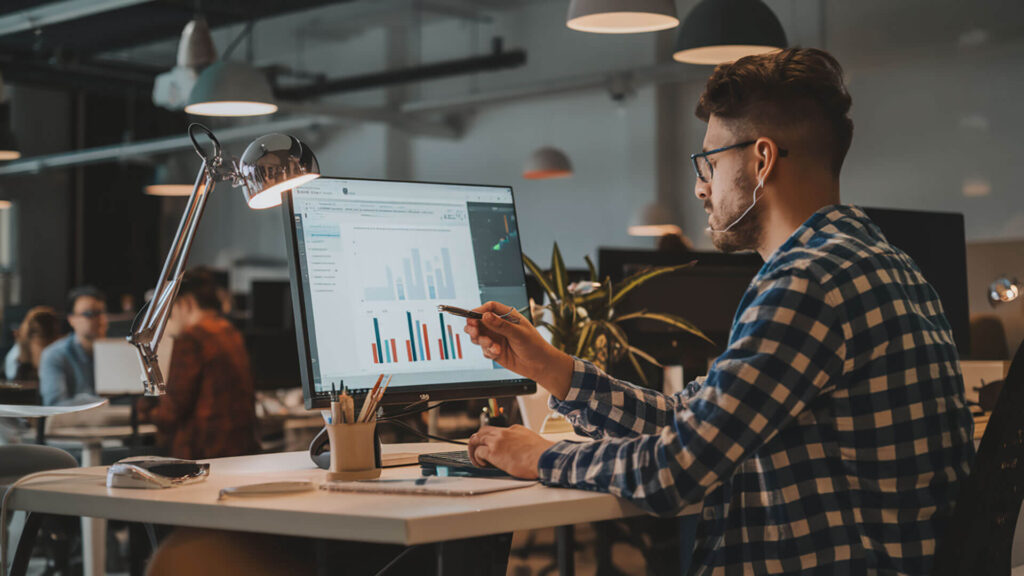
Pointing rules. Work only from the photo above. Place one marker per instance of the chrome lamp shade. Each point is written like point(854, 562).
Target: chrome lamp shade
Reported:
point(273, 164)
point(231, 89)
point(621, 16)
point(721, 31)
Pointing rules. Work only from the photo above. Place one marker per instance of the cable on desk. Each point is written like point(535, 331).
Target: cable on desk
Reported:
point(395, 560)
point(424, 434)
point(409, 411)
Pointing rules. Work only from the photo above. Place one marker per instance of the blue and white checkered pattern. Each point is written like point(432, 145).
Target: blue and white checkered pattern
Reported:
point(831, 436)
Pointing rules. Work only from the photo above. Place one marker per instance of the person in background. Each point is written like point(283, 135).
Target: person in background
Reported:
point(66, 366)
point(39, 329)
point(209, 409)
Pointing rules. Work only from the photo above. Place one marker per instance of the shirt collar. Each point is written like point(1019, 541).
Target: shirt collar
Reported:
point(823, 218)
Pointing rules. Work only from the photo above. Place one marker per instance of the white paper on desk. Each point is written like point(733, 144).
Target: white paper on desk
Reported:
point(440, 486)
point(33, 411)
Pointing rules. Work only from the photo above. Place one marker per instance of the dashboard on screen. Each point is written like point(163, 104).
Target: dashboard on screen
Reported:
point(371, 261)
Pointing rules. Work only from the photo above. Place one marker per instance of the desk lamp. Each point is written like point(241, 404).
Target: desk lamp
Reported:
point(271, 165)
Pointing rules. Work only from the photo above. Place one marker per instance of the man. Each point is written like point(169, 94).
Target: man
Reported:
point(209, 409)
point(66, 366)
point(831, 436)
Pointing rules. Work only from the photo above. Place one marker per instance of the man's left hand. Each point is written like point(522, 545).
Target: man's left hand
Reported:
point(515, 450)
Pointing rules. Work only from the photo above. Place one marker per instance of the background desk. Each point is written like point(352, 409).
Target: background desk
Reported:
point(381, 518)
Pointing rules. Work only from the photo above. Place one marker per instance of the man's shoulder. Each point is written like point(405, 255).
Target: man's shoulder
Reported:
point(57, 350)
point(846, 251)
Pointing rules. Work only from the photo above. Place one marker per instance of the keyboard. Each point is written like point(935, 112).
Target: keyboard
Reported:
point(455, 463)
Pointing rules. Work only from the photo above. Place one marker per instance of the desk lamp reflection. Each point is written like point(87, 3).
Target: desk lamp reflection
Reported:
point(270, 166)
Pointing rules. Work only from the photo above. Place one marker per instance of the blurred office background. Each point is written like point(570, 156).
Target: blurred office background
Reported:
point(469, 91)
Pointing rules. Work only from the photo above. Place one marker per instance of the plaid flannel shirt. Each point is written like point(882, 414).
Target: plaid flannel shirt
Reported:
point(830, 437)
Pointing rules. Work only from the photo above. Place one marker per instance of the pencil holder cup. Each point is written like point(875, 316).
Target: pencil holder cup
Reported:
point(355, 451)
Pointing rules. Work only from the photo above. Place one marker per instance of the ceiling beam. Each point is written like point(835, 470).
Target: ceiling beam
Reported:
point(57, 12)
point(121, 152)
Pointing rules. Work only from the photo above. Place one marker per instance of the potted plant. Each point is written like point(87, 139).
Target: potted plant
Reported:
point(581, 316)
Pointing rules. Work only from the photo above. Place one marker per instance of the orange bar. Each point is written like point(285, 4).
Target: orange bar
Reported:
point(375, 361)
point(408, 349)
point(394, 351)
point(458, 346)
point(440, 346)
point(426, 341)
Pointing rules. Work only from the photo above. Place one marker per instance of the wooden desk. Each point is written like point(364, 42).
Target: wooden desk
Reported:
point(381, 518)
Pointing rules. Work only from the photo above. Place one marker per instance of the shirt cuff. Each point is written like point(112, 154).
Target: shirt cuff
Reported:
point(579, 368)
point(556, 462)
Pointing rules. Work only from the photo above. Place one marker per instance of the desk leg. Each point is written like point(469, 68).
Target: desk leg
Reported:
point(565, 544)
point(27, 541)
point(94, 530)
point(478, 556)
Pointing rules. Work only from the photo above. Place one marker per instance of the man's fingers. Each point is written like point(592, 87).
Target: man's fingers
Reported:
point(479, 456)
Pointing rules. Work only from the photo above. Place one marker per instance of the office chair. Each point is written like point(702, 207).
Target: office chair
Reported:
point(19, 460)
point(979, 537)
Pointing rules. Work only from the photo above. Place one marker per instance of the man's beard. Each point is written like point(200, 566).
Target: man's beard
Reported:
point(746, 234)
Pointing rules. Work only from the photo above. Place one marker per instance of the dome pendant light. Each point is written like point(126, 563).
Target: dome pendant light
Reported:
point(621, 16)
point(547, 163)
point(721, 31)
point(231, 89)
point(654, 220)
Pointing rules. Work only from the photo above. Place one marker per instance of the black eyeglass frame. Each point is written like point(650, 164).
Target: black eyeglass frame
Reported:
point(711, 169)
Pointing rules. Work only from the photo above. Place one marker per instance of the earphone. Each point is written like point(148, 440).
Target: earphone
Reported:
point(760, 185)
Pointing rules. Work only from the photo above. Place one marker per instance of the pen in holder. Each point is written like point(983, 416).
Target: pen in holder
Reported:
point(355, 451)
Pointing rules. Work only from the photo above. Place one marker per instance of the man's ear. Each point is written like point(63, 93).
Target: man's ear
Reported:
point(767, 152)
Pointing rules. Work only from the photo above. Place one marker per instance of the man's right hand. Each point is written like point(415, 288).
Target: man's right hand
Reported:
point(520, 348)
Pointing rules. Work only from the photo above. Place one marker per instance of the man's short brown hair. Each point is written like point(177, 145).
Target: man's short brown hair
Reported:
point(797, 92)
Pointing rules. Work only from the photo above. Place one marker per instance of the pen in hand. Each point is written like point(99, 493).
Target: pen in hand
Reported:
point(463, 313)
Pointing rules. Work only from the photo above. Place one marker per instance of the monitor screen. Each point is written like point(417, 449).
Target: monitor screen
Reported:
point(371, 262)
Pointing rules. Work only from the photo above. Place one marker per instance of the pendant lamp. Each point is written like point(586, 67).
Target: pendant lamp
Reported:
point(720, 31)
point(231, 89)
point(621, 16)
point(546, 163)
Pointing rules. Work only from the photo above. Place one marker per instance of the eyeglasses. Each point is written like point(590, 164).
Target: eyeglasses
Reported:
point(90, 314)
point(705, 171)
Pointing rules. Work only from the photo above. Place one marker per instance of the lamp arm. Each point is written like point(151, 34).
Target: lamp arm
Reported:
point(145, 336)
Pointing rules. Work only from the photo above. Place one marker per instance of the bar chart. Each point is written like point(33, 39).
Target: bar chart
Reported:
point(420, 278)
point(420, 343)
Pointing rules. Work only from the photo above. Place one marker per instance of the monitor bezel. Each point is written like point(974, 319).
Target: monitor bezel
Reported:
point(400, 395)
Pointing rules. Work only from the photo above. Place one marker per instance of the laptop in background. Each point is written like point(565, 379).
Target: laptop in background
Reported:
point(116, 367)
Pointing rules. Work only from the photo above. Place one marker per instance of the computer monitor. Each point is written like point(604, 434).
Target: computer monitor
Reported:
point(371, 260)
point(706, 294)
point(936, 242)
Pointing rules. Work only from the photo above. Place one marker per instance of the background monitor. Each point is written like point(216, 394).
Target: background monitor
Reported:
point(371, 260)
point(706, 294)
point(936, 242)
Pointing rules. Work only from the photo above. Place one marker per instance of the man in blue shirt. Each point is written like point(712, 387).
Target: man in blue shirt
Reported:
point(66, 366)
point(832, 436)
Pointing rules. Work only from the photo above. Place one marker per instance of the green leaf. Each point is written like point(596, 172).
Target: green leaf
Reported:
point(585, 334)
point(590, 266)
point(669, 319)
point(559, 277)
point(541, 277)
point(636, 366)
point(645, 356)
point(640, 278)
